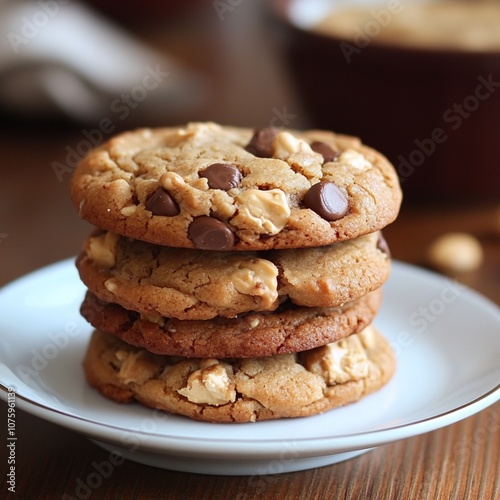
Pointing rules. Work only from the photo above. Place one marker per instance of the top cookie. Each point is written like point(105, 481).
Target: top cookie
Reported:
point(211, 187)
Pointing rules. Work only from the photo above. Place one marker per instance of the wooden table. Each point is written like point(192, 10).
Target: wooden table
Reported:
point(38, 225)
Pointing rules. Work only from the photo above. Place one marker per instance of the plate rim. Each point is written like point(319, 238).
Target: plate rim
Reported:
point(268, 448)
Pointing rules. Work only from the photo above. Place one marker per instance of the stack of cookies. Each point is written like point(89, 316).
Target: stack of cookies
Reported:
point(233, 274)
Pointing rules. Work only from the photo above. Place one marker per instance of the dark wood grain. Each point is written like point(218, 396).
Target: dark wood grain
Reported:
point(38, 225)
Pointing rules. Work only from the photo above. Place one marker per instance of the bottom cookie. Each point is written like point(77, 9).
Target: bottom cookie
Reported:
point(242, 389)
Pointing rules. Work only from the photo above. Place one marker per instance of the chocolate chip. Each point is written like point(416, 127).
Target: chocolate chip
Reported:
point(325, 150)
point(327, 200)
point(208, 233)
point(222, 176)
point(261, 144)
point(383, 246)
point(161, 203)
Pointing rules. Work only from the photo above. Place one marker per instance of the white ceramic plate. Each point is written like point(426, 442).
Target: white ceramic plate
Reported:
point(446, 337)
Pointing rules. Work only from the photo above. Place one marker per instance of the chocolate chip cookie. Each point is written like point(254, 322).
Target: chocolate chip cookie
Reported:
point(289, 329)
point(242, 390)
point(212, 187)
point(191, 284)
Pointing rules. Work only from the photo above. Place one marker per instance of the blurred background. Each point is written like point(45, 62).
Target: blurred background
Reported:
point(423, 87)
point(74, 73)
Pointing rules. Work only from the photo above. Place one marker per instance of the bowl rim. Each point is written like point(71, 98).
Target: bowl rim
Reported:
point(281, 11)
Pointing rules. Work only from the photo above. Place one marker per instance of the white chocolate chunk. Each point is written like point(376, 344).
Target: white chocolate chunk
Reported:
point(127, 211)
point(368, 338)
point(171, 180)
point(285, 144)
point(257, 277)
point(254, 323)
point(346, 360)
point(101, 249)
point(209, 385)
point(340, 362)
point(153, 318)
point(264, 211)
point(134, 367)
point(354, 159)
point(111, 285)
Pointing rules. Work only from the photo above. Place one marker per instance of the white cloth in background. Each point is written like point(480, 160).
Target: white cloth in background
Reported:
point(60, 57)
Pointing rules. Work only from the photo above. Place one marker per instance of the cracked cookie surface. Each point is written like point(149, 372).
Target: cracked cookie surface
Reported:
point(212, 187)
point(242, 390)
point(193, 284)
point(287, 330)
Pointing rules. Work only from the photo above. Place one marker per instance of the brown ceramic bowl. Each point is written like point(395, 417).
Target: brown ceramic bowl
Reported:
point(434, 112)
